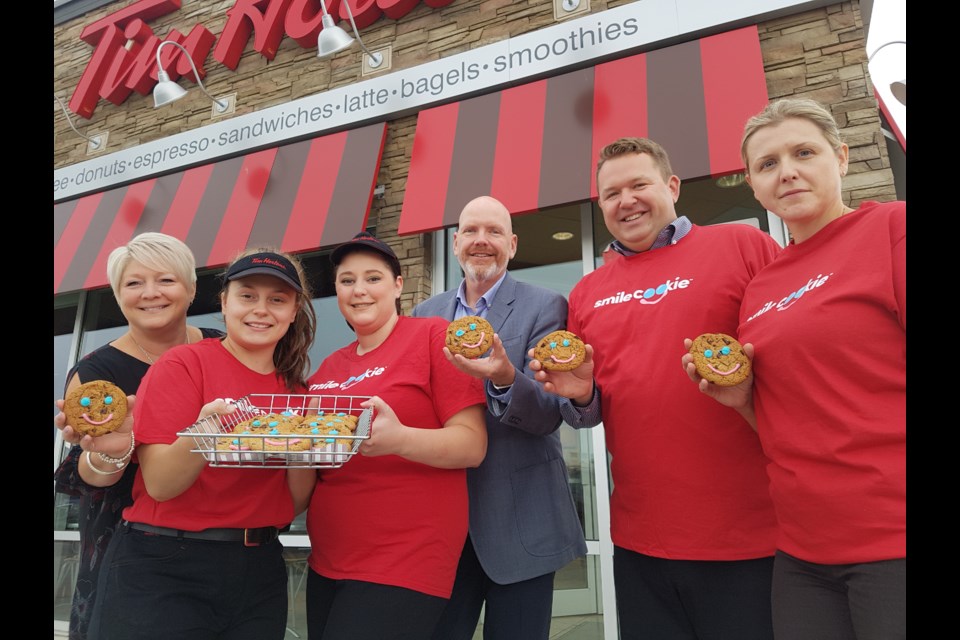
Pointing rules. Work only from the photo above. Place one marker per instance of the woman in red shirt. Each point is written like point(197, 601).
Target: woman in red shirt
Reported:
point(198, 554)
point(826, 325)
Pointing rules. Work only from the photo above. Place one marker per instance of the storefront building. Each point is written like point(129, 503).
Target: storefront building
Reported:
point(472, 97)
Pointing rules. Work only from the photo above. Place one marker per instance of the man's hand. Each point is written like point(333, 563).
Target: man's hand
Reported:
point(576, 384)
point(495, 367)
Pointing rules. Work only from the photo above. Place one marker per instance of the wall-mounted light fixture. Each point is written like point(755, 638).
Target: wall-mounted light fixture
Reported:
point(731, 181)
point(96, 142)
point(167, 91)
point(332, 38)
point(898, 87)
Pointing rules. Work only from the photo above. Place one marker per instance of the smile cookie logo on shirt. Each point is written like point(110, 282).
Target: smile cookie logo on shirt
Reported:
point(790, 299)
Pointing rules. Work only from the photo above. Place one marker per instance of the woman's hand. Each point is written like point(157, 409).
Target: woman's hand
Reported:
point(738, 396)
point(387, 433)
point(576, 384)
point(461, 443)
point(114, 444)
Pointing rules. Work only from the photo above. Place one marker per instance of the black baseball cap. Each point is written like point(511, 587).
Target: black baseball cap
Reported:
point(268, 264)
point(366, 240)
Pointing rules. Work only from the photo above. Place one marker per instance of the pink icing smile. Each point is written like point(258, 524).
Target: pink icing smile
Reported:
point(279, 443)
point(94, 422)
point(240, 448)
point(559, 361)
point(724, 373)
point(477, 343)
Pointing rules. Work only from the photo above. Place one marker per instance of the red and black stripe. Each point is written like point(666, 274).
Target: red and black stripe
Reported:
point(535, 146)
point(297, 197)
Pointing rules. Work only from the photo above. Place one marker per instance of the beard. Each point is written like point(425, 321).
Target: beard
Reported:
point(481, 274)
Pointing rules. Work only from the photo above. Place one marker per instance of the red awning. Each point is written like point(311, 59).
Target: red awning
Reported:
point(297, 197)
point(535, 145)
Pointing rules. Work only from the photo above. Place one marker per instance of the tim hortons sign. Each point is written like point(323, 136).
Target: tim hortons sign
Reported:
point(125, 48)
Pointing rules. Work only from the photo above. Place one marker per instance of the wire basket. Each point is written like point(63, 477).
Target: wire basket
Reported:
point(270, 431)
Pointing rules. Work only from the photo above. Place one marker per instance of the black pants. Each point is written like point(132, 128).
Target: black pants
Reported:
point(864, 601)
point(661, 599)
point(518, 611)
point(160, 587)
point(356, 610)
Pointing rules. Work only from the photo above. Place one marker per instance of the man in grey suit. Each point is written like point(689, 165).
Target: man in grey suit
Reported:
point(523, 522)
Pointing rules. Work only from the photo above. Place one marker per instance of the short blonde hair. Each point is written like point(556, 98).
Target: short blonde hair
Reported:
point(783, 109)
point(625, 146)
point(156, 251)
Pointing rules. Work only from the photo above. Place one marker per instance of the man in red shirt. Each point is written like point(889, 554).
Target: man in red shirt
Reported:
point(692, 523)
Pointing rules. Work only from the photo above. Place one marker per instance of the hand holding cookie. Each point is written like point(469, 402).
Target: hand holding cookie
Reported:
point(469, 336)
point(705, 362)
point(114, 444)
point(576, 384)
point(496, 367)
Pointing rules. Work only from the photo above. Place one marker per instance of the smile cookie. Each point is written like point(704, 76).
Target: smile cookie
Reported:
point(720, 359)
point(560, 351)
point(95, 408)
point(470, 336)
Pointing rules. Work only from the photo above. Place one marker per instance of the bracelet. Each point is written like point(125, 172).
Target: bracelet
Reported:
point(97, 471)
point(123, 459)
point(506, 386)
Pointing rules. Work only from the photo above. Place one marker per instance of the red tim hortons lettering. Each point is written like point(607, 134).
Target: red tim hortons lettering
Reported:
point(114, 70)
point(107, 38)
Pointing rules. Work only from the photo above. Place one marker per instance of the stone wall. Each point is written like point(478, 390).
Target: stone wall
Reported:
point(821, 54)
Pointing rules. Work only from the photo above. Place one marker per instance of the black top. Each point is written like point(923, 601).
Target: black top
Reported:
point(100, 508)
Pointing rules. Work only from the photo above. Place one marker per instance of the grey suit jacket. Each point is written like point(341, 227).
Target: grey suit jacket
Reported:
point(523, 521)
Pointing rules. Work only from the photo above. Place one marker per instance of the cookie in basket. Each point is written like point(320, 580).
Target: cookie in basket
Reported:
point(560, 351)
point(720, 359)
point(236, 449)
point(470, 336)
point(331, 450)
point(95, 408)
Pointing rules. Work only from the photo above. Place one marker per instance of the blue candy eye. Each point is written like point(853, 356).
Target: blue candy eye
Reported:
point(566, 343)
point(256, 423)
point(708, 353)
point(460, 332)
point(287, 413)
point(84, 402)
point(473, 326)
point(273, 432)
point(341, 414)
point(725, 351)
point(314, 424)
point(236, 441)
point(108, 400)
point(273, 423)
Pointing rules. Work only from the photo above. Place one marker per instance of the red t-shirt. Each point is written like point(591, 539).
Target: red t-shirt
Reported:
point(688, 473)
point(828, 320)
point(169, 400)
point(385, 519)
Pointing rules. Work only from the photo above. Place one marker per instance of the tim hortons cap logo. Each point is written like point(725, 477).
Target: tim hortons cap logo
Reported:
point(125, 49)
point(274, 263)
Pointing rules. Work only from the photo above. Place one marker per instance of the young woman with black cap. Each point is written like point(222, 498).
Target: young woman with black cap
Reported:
point(198, 554)
point(386, 529)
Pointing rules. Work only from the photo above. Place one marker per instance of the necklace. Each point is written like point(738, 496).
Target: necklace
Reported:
point(144, 351)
